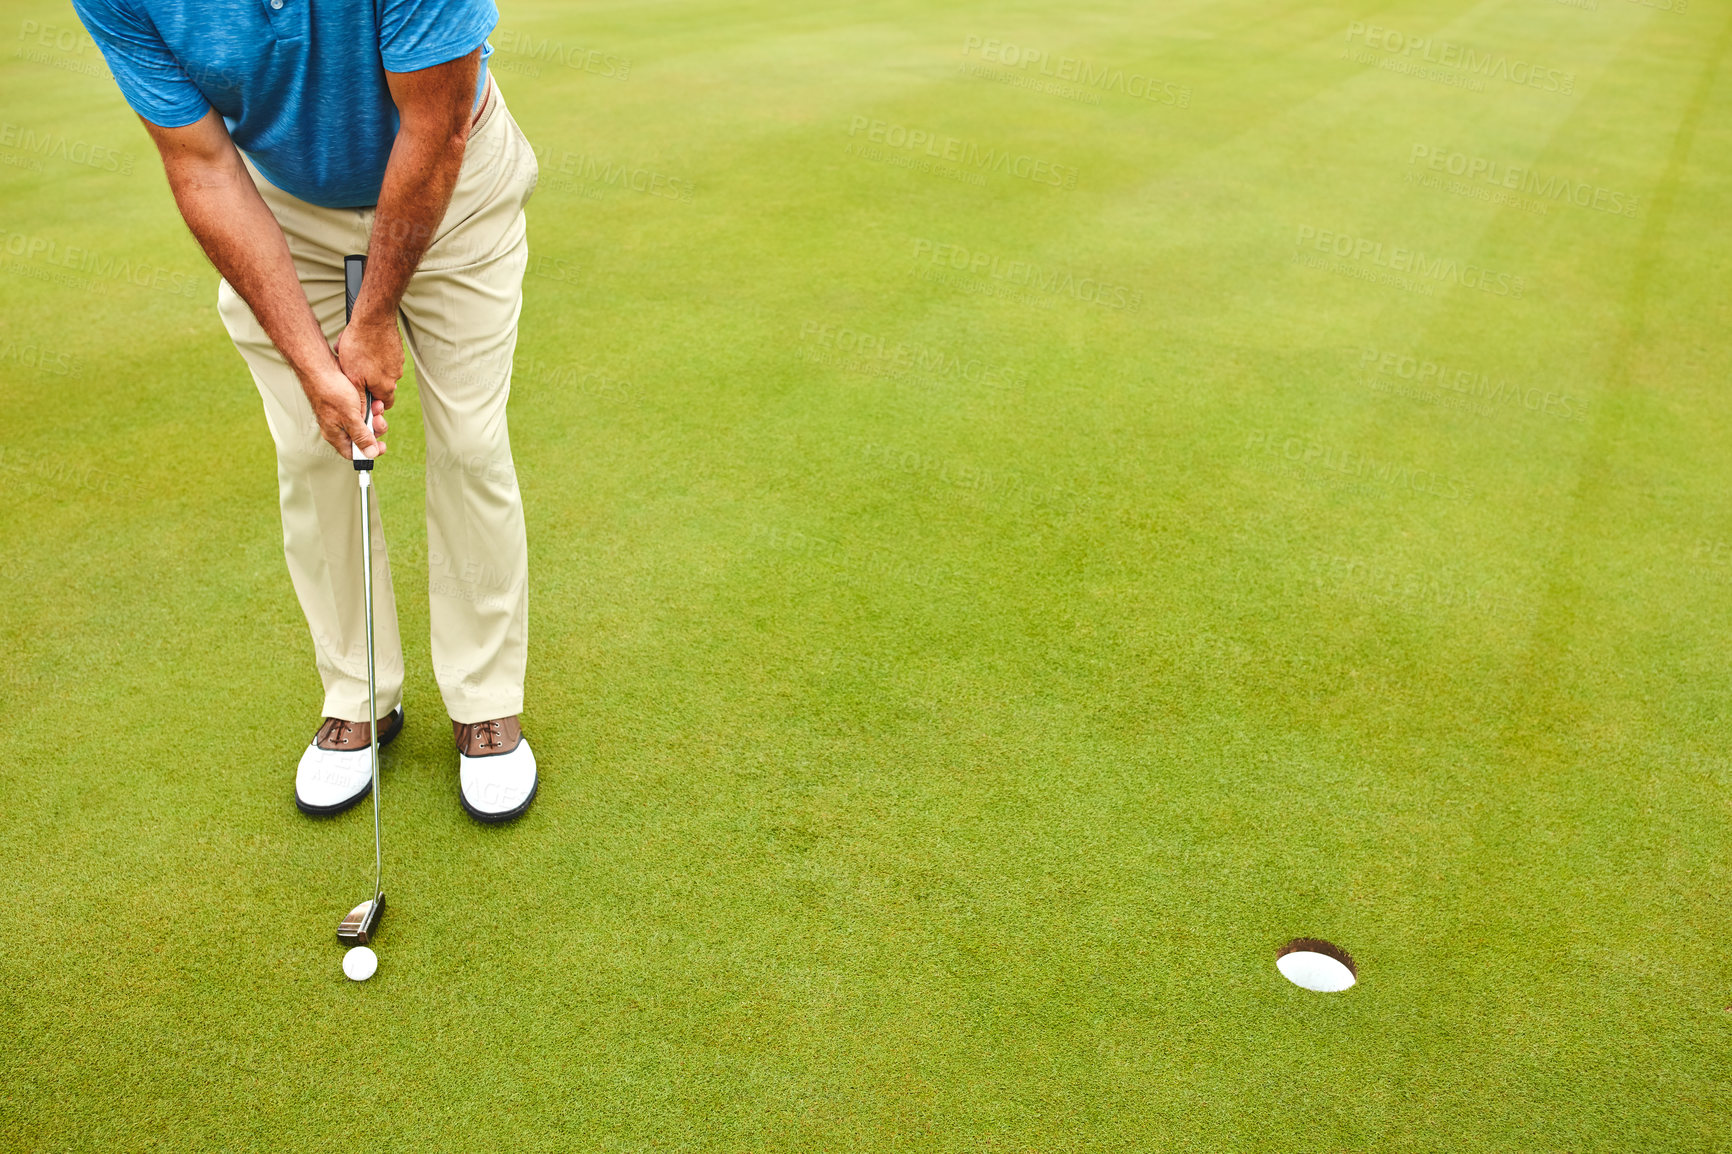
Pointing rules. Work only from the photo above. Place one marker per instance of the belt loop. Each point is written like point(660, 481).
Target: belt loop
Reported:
point(489, 104)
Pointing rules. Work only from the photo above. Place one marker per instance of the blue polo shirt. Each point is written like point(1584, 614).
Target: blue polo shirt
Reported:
point(300, 83)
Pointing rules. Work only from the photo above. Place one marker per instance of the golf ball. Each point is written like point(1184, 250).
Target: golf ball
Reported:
point(359, 964)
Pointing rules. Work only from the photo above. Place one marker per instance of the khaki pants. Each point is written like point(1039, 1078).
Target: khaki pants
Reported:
point(459, 319)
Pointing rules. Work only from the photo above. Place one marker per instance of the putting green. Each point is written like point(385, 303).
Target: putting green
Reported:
point(1031, 509)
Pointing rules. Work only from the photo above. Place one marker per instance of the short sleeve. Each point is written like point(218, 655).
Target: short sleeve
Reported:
point(150, 77)
point(417, 34)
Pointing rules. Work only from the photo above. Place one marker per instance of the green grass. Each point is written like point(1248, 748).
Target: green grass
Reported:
point(929, 761)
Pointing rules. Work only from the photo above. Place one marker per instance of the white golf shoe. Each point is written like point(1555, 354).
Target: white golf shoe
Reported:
point(495, 769)
point(336, 770)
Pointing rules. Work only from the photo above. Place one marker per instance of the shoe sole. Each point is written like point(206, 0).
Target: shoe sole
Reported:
point(498, 818)
point(351, 803)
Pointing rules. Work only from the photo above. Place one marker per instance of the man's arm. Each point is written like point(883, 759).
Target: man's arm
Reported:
point(434, 107)
point(233, 225)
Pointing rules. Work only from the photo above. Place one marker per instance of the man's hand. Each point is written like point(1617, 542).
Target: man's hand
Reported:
point(234, 226)
point(434, 109)
point(337, 405)
point(371, 355)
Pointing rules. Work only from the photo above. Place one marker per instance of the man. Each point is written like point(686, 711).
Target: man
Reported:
point(294, 132)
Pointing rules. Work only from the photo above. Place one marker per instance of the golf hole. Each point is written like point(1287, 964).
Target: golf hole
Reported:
point(1314, 964)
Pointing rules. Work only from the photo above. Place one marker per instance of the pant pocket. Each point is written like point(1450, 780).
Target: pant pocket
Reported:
point(528, 169)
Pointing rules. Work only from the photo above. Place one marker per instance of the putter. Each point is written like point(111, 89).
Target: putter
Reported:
point(363, 921)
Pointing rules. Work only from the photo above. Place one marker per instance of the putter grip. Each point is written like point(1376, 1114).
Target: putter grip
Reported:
point(354, 268)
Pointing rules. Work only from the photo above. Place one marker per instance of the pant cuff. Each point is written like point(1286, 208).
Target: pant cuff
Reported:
point(471, 710)
point(349, 707)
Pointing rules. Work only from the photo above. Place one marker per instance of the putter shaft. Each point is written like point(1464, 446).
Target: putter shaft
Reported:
point(358, 927)
point(372, 691)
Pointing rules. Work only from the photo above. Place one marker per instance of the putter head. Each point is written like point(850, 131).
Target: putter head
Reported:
point(358, 928)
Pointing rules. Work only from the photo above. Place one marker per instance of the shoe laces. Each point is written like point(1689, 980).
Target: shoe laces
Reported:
point(491, 735)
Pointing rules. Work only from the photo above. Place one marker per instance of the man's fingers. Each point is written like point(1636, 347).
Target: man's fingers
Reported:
point(361, 432)
point(372, 358)
point(364, 439)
